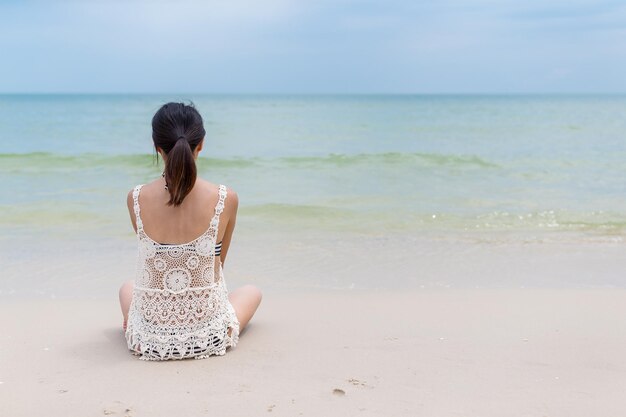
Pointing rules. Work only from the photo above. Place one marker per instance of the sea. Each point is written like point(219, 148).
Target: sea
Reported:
point(318, 177)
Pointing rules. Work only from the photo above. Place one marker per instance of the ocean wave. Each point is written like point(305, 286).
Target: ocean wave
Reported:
point(15, 162)
point(394, 158)
point(47, 160)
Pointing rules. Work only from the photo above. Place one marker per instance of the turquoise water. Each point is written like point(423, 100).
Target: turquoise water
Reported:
point(353, 164)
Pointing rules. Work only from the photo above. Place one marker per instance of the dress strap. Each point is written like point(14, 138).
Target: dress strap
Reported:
point(219, 207)
point(136, 207)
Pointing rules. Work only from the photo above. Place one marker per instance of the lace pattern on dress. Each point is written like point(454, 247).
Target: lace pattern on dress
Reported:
point(180, 307)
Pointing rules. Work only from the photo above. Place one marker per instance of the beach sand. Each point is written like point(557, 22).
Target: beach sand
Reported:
point(501, 352)
point(419, 256)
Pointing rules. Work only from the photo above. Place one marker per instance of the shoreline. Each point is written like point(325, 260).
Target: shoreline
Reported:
point(78, 266)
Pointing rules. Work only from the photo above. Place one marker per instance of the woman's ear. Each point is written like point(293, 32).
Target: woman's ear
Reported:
point(199, 147)
point(160, 152)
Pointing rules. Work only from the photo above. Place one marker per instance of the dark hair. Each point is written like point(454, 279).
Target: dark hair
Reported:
point(177, 129)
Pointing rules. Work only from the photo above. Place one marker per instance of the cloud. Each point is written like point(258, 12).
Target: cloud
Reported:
point(322, 46)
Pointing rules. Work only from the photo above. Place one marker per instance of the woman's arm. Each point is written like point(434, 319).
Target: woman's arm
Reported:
point(231, 206)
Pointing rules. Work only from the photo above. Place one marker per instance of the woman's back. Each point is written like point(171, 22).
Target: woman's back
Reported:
point(181, 224)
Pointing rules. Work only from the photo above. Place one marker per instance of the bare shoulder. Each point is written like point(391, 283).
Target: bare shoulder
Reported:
point(130, 200)
point(232, 197)
point(151, 192)
point(232, 202)
point(207, 187)
point(146, 192)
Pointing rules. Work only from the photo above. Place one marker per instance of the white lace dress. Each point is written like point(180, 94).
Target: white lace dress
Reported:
point(180, 306)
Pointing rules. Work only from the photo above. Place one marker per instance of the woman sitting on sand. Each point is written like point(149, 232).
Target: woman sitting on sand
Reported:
point(178, 306)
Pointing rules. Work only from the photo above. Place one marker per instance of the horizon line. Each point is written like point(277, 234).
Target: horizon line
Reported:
point(59, 93)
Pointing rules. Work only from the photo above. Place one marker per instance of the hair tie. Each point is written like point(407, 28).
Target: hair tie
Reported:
point(180, 137)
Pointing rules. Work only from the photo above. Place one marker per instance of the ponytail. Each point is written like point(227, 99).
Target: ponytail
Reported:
point(180, 171)
point(177, 129)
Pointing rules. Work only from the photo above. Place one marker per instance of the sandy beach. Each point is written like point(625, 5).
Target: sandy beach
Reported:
point(515, 352)
point(481, 326)
point(419, 256)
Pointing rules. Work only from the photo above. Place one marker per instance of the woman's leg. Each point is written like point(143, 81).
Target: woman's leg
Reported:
point(245, 301)
point(126, 296)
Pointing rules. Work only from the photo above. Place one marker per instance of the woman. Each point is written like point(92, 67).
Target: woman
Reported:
point(178, 306)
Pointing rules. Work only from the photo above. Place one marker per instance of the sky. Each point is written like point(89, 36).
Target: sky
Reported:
point(316, 47)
